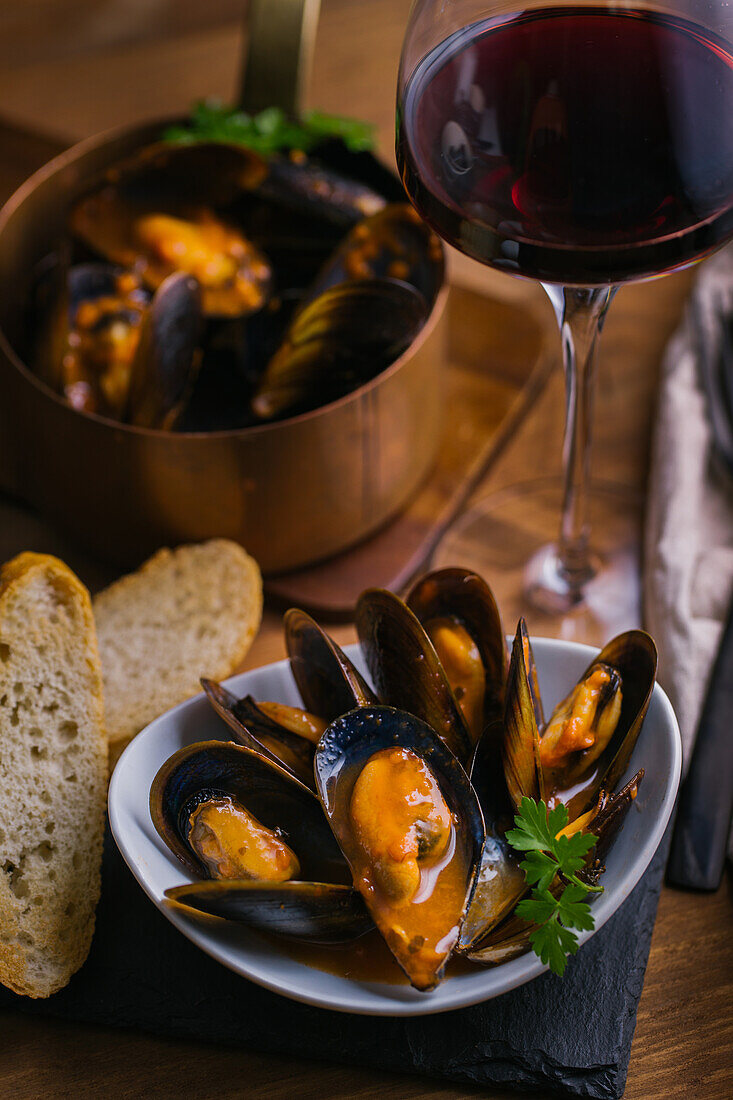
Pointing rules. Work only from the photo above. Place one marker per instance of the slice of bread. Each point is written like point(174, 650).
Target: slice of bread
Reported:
point(184, 614)
point(53, 774)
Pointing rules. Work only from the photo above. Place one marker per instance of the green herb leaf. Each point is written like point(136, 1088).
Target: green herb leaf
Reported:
point(270, 130)
point(552, 859)
point(573, 910)
point(539, 869)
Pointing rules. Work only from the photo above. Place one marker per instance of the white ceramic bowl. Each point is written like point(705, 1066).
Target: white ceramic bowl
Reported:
point(559, 664)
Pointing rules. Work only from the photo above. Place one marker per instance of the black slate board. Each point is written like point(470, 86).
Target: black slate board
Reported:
point(572, 1035)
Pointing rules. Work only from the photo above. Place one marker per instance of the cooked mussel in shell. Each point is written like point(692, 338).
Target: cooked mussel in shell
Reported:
point(300, 183)
point(328, 683)
point(91, 336)
point(167, 359)
point(392, 244)
point(458, 612)
point(257, 726)
point(587, 742)
point(510, 938)
point(148, 217)
point(440, 655)
point(111, 348)
point(238, 819)
point(338, 341)
point(409, 824)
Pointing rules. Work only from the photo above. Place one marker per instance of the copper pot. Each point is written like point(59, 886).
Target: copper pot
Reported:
point(291, 492)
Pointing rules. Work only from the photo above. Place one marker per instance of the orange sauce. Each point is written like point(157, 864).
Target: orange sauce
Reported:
point(367, 959)
point(421, 926)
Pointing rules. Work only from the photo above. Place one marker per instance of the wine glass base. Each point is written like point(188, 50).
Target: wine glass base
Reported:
point(548, 586)
point(506, 537)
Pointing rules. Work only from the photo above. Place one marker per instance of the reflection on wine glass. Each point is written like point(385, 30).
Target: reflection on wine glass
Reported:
point(583, 146)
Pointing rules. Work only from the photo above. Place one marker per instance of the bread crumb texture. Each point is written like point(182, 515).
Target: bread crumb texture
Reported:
point(53, 774)
point(186, 613)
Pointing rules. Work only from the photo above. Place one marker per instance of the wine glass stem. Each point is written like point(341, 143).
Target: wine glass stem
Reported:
point(580, 312)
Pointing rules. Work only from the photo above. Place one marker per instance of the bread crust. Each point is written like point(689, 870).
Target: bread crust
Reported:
point(41, 945)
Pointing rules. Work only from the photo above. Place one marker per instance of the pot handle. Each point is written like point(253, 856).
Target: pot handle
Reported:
point(277, 60)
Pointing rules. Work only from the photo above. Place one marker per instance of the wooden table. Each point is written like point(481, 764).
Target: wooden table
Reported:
point(684, 1038)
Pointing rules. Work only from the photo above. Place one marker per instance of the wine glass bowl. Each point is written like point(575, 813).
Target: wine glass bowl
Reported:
point(584, 146)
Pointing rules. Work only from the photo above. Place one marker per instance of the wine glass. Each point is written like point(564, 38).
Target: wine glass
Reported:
point(584, 146)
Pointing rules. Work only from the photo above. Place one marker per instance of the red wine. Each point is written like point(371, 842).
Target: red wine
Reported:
point(574, 145)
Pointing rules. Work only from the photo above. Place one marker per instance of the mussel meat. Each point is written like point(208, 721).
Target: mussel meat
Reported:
point(155, 215)
point(587, 742)
point(409, 824)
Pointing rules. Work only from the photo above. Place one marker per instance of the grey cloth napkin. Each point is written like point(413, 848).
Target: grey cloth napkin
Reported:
point(689, 529)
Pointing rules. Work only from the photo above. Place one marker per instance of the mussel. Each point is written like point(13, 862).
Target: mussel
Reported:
point(111, 348)
point(253, 725)
point(510, 937)
point(328, 683)
point(338, 341)
point(90, 334)
point(457, 607)
point(298, 182)
point(258, 838)
point(458, 612)
point(409, 824)
point(587, 742)
point(590, 737)
point(156, 215)
point(167, 358)
point(391, 244)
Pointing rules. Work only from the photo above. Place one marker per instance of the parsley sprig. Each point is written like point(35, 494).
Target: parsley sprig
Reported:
point(557, 902)
point(269, 130)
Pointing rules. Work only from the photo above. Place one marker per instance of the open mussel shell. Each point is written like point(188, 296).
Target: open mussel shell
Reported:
point(268, 791)
point(422, 929)
point(633, 656)
point(88, 359)
point(167, 355)
point(500, 881)
point(405, 668)
point(328, 682)
point(313, 912)
point(394, 243)
point(605, 821)
point(461, 597)
point(187, 174)
point(312, 189)
point(339, 341)
point(156, 214)
point(506, 941)
point(251, 727)
point(510, 938)
point(323, 908)
point(522, 721)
